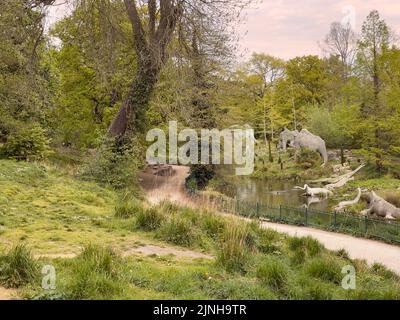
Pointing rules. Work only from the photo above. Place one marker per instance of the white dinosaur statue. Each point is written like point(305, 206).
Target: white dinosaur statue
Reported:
point(312, 192)
point(340, 207)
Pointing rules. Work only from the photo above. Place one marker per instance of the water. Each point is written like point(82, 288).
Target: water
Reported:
point(277, 193)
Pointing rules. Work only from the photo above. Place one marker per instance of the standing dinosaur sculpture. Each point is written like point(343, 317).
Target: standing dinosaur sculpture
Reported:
point(303, 139)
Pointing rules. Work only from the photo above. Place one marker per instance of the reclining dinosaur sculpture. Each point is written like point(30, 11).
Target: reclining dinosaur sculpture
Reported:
point(303, 139)
point(340, 207)
point(382, 208)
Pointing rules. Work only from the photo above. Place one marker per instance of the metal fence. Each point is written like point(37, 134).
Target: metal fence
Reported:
point(363, 226)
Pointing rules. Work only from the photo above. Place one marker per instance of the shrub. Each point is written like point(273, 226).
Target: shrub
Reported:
point(179, 231)
point(273, 273)
point(234, 252)
point(308, 158)
point(26, 143)
point(325, 269)
point(115, 164)
point(149, 219)
point(17, 268)
point(127, 207)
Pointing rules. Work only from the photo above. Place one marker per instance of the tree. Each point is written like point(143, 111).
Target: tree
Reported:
point(341, 41)
point(266, 70)
point(375, 40)
point(309, 73)
point(374, 43)
point(153, 27)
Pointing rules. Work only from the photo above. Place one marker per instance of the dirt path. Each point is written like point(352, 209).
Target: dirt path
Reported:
point(163, 251)
point(172, 189)
point(146, 250)
point(7, 294)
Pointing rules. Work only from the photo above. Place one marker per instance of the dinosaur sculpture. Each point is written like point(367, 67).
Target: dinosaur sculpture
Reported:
point(303, 139)
point(340, 207)
point(381, 208)
point(312, 192)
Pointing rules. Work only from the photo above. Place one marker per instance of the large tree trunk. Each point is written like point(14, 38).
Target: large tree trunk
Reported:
point(131, 116)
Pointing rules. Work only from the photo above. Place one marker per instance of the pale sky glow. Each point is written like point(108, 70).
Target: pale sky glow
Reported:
point(289, 28)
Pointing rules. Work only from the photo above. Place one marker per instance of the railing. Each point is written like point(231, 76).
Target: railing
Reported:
point(362, 226)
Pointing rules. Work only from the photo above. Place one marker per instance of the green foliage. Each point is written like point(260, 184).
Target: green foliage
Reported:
point(234, 251)
point(273, 273)
point(324, 268)
point(308, 158)
point(128, 207)
point(27, 143)
point(114, 164)
point(94, 275)
point(179, 231)
point(149, 219)
point(17, 268)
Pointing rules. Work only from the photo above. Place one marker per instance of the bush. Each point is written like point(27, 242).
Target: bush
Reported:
point(115, 164)
point(26, 143)
point(179, 231)
point(17, 268)
point(308, 158)
point(128, 207)
point(149, 219)
point(234, 252)
point(273, 273)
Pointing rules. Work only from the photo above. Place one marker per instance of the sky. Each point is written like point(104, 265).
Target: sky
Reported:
point(289, 28)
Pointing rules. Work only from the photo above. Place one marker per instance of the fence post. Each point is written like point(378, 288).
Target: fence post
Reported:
point(258, 209)
point(280, 212)
point(366, 224)
point(237, 207)
point(334, 219)
point(306, 216)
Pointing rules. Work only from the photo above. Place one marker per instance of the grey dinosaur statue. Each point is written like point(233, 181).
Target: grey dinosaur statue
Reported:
point(382, 208)
point(303, 139)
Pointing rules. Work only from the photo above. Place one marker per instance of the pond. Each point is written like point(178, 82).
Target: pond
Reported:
point(275, 193)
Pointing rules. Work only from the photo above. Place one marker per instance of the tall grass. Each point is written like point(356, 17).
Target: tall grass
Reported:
point(127, 207)
point(18, 268)
point(179, 231)
point(94, 275)
point(273, 273)
point(325, 269)
point(234, 251)
point(149, 219)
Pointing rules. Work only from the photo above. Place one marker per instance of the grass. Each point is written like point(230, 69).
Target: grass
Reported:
point(56, 213)
point(17, 268)
point(235, 249)
point(128, 207)
point(273, 273)
point(149, 219)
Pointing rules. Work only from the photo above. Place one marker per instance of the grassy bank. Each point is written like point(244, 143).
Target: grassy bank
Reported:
point(46, 212)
